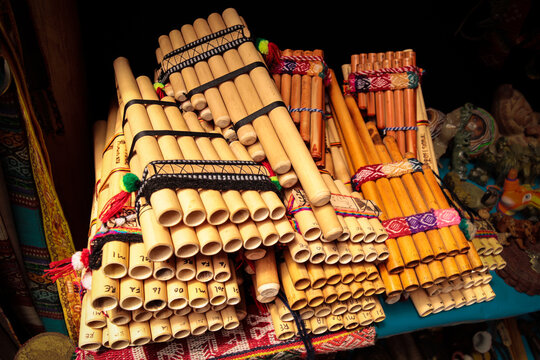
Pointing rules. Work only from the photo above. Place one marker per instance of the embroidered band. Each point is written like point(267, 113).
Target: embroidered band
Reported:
point(422, 222)
point(405, 77)
point(374, 172)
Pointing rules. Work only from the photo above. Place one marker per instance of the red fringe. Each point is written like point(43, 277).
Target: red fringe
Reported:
point(114, 206)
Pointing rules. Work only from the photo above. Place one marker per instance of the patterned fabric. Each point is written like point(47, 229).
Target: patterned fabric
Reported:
point(480, 233)
point(302, 65)
point(254, 338)
point(430, 220)
point(377, 171)
point(406, 77)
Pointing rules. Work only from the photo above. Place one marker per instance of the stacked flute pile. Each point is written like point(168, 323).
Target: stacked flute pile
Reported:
point(184, 186)
point(388, 91)
point(426, 246)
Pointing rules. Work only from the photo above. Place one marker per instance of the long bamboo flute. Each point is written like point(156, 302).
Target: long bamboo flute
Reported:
point(382, 186)
point(164, 202)
point(316, 138)
point(176, 79)
point(299, 155)
point(247, 97)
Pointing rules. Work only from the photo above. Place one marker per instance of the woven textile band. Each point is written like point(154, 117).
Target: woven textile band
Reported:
point(481, 233)
point(301, 65)
point(405, 77)
point(374, 172)
point(422, 222)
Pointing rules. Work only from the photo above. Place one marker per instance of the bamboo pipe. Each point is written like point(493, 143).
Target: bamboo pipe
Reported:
point(305, 219)
point(316, 137)
point(409, 99)
point(399, 111)
point(139, 333)
point(189, 75)
point(296, 91)
point(164, 270)
point(426, 151)
point(175, 79)
point(268, 284)
point(421, 241)
point(140, 266)
point(370, 188)
point(285, 82)
point(165, 203)
point(302, 163)
point(297, 299)
point(215, 101)
point(305, 103)
point(131, 294)
point(105, 291)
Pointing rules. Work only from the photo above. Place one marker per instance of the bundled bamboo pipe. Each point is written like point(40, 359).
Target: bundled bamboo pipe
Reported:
point(165, 203)
point(297, 299)
point(305, 103)
point(409, 99)
point(317, 133)
point(175, 79)
point(299, 155)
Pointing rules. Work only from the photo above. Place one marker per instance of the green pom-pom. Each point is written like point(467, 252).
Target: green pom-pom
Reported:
point(262, 46)
point(130, 183)
point(464, 227)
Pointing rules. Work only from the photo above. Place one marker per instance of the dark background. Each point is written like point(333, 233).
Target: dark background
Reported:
point(466, 47)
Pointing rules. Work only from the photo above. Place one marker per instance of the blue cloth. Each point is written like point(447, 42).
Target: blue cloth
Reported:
point(402, 317)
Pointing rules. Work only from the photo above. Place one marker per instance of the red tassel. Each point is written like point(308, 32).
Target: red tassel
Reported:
point(114, 206)
point(58, 269)
point(273, 54)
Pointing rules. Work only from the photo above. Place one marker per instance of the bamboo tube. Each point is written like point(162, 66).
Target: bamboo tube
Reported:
point(409, 99)
point(165, 204)
point(317, 124)
point(205, 270)
point(164, 313)
point(450, 268)
point(345, 254)
point(350, 321)
point(141, 314)
point(175, 79)
point(298, 154)
point(305, 103)
point(298, 249)
point(230, 237)
point(382, 251)
point(469, 295)
point(316, 250)
point(216, 293)
point(164, 270)
point(488, 290)
point(160, 329)
point(221, 267)
point(357, 252)
point(197, 294)
point(360, 272)
point(329, 222)
point(426, 151)
point(486, 277)
point(213, 318)
point(469, 281)
point(140, 266)
point(306, 313)
point(105, 293)
point(423, 275)
point(314, 297)
point(421, 302)
point(330, 294)
point(318, 325)
point(295, 91)
point(177, 294)
point(90, 339)
point(459, 299)
point(357, 290)
point(317, 275)
point(197, 323)
point(184, 311)
point(333, 274)
point(438, 304)
point(331, 251)
point(379, 286)
point(246, 99)
point(369, 288)
point(463, 264)
point(334, 322)
point(179, 326)
point(474, 259)
point(479, 293)
point(377, 313)
point(155, 294)
point(250, 235)
point(304, 217)
point(434, 290)
point(185, 269)
point(339, 308)
point(139, 333)
point(347, 273)
point(283, 312)
point(267, 275)
point(104, 158)
point(296, 299)
point(371, 271)
point(230, 319)
point(344, 291)
point(118, 336)
point(92, 318)
point(341, 168)
point(131, 293)
point(354, 306)
point(232, 290)
point(115, 259)
point(364, 318)
point(409, 280)
point(480, 246)
point(218, 149)
point(255, 254)
point(437, 271)
point(448, 301)
point(185, 241)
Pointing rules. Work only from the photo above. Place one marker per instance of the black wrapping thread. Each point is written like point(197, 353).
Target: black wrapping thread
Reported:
point(145, 102)
point(302, 332)
point(201, 180)
point(144, 133)
point(230, 76)
point(264, 110)
point(163, 77)
point(96, 253)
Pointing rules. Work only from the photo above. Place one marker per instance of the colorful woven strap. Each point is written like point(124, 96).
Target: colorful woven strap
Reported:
point(485, 233)
point(405, 77)
point(431, 220)
point(374, 172)
point(301, 65)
